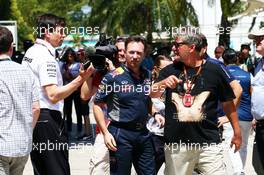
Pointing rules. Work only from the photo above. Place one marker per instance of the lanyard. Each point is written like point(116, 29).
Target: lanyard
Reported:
point(189, 85)
point(5, 59)
point(46, 48)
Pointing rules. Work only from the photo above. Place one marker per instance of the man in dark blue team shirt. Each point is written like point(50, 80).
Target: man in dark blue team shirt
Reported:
point(244, 109)
point(125, 91)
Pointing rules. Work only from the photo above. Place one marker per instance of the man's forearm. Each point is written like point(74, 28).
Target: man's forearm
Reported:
point(99, 117)
point(56, 93)
point(86, 90)
point(157, 89)
point(230, 111)
point(237, 89)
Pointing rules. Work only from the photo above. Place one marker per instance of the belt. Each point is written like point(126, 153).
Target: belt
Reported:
point(56, 116)
point(134, 126)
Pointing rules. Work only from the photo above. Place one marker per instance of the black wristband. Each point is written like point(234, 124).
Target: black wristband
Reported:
point(155, 113)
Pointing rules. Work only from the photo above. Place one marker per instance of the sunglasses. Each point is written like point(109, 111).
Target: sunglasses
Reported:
point(178, 44)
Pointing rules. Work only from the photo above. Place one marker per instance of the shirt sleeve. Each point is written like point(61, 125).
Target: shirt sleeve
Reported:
point(228, 76)
point(105, 89)
point(48, 73)
point(225, 91)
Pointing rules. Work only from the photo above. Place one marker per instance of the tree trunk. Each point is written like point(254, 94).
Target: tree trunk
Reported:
point(224, 36)
point(5, 11)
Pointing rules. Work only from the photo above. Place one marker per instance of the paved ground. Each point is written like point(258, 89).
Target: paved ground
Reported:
point(80, 153)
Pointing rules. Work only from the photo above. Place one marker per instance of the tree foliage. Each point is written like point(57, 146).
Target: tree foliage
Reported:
point(137, 16)
point(229, 8)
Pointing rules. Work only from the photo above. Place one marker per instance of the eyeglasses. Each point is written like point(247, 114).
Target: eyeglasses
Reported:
point(178, 44)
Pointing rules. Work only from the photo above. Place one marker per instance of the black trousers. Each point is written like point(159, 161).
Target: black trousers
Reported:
point(75, 97)
point(49, 154)
point(259, 139)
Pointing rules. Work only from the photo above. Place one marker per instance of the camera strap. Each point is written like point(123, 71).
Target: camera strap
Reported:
point(5, 59)
point(46, 48)
point(187, 98)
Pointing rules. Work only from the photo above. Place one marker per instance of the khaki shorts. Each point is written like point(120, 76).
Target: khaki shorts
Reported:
point(12, 165)
point(182, 160)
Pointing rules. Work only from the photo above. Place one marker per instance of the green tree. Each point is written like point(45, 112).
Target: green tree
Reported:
point(135, 17)
point(229, 9)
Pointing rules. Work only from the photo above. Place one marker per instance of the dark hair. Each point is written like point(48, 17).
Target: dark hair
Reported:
point(48, 22)
point(245, 46)
point(67, 53)
point(219, 47)
point(204, 40)
point(6, 39)
point(157, 63)
point(120, 39)
point(136, 39)
point(230, 56)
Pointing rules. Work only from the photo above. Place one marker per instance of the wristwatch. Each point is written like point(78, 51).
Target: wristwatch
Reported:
point(155, 113)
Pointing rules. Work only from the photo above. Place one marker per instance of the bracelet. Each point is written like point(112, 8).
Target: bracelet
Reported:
point(155, 113)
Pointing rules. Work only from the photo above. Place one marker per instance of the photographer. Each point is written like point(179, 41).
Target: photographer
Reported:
point(49, 130)
point(99, 163)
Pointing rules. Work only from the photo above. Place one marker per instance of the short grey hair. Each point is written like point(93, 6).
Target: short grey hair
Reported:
point(190, 35)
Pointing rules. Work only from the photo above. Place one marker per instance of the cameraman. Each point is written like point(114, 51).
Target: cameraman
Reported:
point(99, 163)
point(50, 151)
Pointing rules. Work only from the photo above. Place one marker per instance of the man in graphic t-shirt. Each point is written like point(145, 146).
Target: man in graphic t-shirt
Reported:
point(193, 87)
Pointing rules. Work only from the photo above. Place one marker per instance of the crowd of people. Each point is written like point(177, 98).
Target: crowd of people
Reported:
point(181, 109)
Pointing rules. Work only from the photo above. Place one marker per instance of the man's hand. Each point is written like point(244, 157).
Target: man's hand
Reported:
point(160, 120)
point(110, 141)
point(171, 81)
point(254, 123)
point(236, 140)
point(110, 65)
point(222, 120)
point(88, 72)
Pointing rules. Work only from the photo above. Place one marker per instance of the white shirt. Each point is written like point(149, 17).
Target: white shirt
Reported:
point(257, 84)
point(40, 58)
point(17, 94)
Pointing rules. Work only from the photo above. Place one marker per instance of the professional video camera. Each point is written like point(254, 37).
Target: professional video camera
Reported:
point(104, 48)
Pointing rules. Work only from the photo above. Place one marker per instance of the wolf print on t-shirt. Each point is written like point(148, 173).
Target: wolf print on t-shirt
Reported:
point(195, 112)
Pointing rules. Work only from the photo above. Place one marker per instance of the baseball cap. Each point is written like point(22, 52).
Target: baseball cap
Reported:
point(256, 33)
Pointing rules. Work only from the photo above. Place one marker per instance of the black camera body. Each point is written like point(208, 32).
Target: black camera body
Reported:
point(103, 49)
point(98, 61)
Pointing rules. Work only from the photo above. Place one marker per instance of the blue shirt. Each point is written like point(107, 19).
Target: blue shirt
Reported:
point(244, 109)
point(126, 96)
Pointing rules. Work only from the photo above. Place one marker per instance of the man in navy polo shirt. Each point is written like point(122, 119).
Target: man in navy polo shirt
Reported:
point(244, 109)
point(125, 91)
